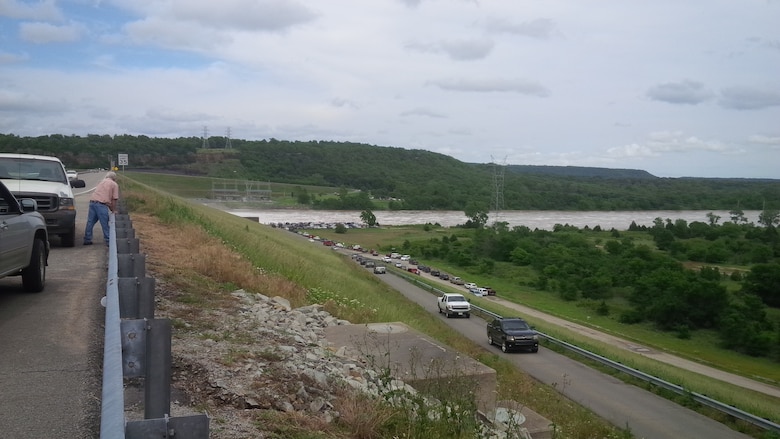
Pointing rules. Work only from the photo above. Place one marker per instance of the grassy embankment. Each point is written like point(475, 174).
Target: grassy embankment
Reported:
point(275, 262)
point(702, 346)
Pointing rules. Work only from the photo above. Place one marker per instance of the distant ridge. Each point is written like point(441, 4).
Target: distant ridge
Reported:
point(580, 171)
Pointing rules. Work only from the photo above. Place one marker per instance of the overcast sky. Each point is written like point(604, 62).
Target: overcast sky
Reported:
point(676, 88)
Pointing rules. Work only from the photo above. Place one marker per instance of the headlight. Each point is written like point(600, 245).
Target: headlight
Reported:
point(535, 337)
point(510, 338)
point(67, 204)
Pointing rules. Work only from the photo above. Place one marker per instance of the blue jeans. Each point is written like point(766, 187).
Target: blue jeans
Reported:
point(97, 212)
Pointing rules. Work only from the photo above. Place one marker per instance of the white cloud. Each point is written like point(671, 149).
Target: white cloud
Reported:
point(684, 92)
point(45, 10)
point(749, 98)
point(43, 33)
point(530, 88)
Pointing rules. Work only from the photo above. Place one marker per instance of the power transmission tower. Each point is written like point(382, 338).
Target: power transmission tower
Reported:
point(497, 204)
point(205, 137)
point(227, 142)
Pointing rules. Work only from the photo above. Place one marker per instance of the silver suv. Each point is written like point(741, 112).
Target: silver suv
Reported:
point(43, 179)
point(24, 243)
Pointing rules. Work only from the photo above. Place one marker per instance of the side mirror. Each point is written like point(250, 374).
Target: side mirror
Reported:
point(78, 183)
point(28, 205)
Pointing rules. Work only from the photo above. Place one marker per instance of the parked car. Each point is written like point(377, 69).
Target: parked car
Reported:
point(456, 280)
point(424, 268)
point(413, 261)
point(435, 272)
point(413, 270)
point(43, 179)
point(370, 264)
point(454, 305)
point(444, 276)
point(490, 291)
point(25, 241)
point(512, 333)
point(380, 269)
point(469, 285)
point(479, 291)
point(387, 259)
point(405, 257)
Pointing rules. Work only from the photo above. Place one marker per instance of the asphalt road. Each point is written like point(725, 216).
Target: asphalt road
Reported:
point(51, 344)
point(646, 414)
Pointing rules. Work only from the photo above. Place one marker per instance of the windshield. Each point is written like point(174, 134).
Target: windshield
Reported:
point(457, 299)
point(31, 169)
point(516, 326)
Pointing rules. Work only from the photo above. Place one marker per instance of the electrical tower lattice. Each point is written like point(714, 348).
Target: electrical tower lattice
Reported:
point(497, 203)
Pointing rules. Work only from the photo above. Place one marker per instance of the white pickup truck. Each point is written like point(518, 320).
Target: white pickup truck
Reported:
point(454, 305)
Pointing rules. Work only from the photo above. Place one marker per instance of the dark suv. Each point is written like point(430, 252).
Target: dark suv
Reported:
point(512, 333)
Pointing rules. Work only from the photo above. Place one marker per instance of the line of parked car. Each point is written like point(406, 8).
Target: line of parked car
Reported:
point(509, 333)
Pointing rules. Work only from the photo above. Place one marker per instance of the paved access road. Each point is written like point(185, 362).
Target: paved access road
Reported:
point(646, 414)
point(51, 343)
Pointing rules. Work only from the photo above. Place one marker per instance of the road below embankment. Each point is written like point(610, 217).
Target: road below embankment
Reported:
point(626, 406)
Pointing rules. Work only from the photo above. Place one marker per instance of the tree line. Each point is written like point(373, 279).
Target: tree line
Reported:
point(409, 179)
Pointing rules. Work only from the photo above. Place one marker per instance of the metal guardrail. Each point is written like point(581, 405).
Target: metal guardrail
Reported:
point(699, 398)
point(137, 345)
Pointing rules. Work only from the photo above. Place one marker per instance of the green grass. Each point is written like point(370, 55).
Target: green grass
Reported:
point(362, 297)
point(316, 266)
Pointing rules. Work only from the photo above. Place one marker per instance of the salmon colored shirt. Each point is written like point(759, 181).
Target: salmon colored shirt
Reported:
point(106, 192)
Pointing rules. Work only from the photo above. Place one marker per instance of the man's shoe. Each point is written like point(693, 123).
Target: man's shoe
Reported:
point(87, 242)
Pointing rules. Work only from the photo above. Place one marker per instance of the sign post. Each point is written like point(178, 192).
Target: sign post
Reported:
point(122, 161)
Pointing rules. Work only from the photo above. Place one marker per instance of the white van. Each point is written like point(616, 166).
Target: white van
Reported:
point(43, 179)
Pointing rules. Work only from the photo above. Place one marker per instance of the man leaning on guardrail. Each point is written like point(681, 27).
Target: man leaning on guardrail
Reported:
point(102, 202)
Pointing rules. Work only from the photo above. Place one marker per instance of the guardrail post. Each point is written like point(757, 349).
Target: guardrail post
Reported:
point(132, 265)
point(157, 386)
point(136, 297)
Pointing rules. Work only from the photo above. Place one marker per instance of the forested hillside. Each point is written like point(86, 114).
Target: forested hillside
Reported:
point(415, 179)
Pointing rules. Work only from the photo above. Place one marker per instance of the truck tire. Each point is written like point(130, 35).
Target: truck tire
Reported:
point(34, 276)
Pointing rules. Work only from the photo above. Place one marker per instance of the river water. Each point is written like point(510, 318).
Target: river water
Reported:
point(533, 219)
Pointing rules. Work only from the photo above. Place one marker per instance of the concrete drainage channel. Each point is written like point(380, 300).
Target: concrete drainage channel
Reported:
point(137, 346)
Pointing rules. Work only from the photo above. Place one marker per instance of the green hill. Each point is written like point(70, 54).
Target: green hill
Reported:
point(412, 179)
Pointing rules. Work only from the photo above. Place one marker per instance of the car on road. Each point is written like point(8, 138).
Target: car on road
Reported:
point(479, 291)
point(512, 333)
point(380, 269)
point(453, 305)
point(72, 175)
point(24, 241)
point(43, 179)
point(490, 291)
point(387, 259)
point(456, 280)
point(469, 285)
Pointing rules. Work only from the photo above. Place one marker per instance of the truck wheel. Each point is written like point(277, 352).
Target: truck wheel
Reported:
point(490, 340)
point(468, 315)
point(447, 314)
point(69, 239)
point(34, 276)
point(504, 347)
